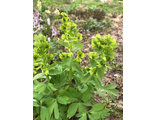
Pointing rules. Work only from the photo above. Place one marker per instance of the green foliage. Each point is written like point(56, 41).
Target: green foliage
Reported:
point(116, 66)
point(68, 89)
point(91, 24)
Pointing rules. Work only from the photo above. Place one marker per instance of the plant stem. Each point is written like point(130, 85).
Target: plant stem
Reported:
point(48, 78)
point(70, 70)
point(70, 76)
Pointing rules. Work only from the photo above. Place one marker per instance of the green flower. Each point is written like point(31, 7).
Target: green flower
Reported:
point(63, 37)
point(64, 14)
point(113, 42)
point(87, 68)
point(92, 70)
point(63, 55)
point(98, 37)
point(73, 25)
point(35, 57)
point(46, 72)
point(49, 57)
point(99, 65)
point(93, 55)
point(65, 19)
point(78, 60)
point(63, 27)
point(69, 54)
point(80, 54)
point(79, 37)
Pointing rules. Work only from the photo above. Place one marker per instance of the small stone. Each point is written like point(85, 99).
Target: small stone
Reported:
point(81, 30)
point(88, 35)
point(110, 76)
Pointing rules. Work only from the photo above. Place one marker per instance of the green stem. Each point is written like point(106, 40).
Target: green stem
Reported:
point(70, 76)
point(44, 64)
point(48, 78)
point(70, 70)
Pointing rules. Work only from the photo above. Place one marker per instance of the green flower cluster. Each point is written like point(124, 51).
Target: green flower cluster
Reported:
point(104, 46)
point(106, 43)
point(40, 56)
point(80, 55)
point(93, 55)
point(71, 34)
point(63, 55)
point(92, 70)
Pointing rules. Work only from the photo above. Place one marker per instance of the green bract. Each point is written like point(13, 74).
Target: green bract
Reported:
point(93, 55)
point(68, 88)
point(80, 54)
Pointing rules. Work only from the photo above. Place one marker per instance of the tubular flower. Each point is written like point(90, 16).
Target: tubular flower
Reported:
point(46, 72)
point(92, 70)
point(35, 57)
point(63, 27)
point(98, 37)
point(78, 60)
point(79, 37)
point(64, 14)
point(49, 57)
point(69, 54)
point(93, 55)
point(87, 68)
point(99, 65)
point(63, 55)
point(80, 54)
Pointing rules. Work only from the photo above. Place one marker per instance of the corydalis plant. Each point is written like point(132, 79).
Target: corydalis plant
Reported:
point(36, 22)
point(55, 32)
point(68, 88)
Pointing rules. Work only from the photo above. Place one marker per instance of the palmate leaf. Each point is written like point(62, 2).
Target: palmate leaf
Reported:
point(56, 111)
point(83, 117)
point(87, 103)
point(110, 89)
point(83, 88)
point(98, 111)
point(54, 108)
point(92, 63)
point(76, 66)
point(102, 94)
point(74, 92)
point(87, 77)
point(63, 43)
point(111, 54)
point(78, 46)
point(40, 87)
point(97, 107)
point(35, 103)
point(54, 72)
point(44, 113)
point(63, 100)
point(98, 82)
point(100, 73)
point(72, 110)
point(66, 61)
point(51, 87)
point(86, 97)
point(40, 75)
point(74, 107)
point(100, 114)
